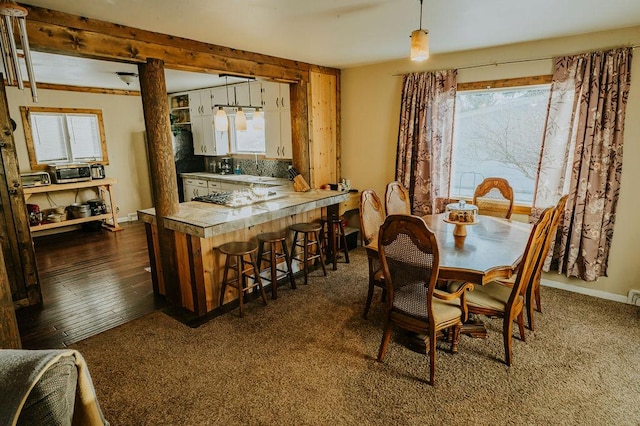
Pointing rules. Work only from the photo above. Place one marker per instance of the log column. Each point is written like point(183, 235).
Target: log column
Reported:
point(164, 185)
point(9, 334)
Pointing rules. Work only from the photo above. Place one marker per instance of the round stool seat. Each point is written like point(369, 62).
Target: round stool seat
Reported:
point(306, 227)
point(272, 237)
point(238, 248)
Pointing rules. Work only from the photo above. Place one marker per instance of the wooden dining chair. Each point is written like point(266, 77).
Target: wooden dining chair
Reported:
point(533, 292)
point(397, 199)
point(371, 217)
point(496, 299)
point(494, 197)
point(410, 261)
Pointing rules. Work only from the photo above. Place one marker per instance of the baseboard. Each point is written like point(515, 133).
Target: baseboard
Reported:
point(587, 291)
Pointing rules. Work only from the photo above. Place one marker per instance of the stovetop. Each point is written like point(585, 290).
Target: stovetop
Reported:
point(238, 198)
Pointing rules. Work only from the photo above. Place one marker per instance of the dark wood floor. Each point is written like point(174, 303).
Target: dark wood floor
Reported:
point(91, 281)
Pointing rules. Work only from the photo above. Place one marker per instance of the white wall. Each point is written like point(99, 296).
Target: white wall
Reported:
point(371, 107)
point(124, 127)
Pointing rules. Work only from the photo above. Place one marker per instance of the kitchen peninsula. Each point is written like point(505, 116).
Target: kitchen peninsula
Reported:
point(200, 228)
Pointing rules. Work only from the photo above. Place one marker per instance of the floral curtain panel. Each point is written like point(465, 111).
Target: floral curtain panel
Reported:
point(425, 137)
point(582, 156)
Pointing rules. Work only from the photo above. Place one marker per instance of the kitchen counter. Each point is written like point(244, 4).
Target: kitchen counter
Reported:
point(199, 228)
point(206, 220)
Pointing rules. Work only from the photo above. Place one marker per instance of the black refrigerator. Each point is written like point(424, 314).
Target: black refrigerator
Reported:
point(183, 155)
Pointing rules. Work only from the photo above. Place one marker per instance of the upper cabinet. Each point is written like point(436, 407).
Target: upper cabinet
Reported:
point(248, 94)
point(200, 103)
point(277, 120)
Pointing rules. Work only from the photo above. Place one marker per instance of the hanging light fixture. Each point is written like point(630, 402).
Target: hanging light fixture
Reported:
point(221, 121)
point(420, 42)
point(241, 120)
point(258, 119)
point(127, 77)
point(13, 14)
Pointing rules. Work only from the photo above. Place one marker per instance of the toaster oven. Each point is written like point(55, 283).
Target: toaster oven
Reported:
point(32, 179)
point(66, 173)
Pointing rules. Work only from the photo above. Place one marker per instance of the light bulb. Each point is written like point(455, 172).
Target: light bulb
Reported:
point(241, 120)
point(258, 120)
point(221, 122)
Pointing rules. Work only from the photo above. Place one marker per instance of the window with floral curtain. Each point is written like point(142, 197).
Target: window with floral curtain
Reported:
point(582, 156)
point(425, 138)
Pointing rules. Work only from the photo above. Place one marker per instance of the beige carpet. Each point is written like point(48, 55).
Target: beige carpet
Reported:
point(308, 358)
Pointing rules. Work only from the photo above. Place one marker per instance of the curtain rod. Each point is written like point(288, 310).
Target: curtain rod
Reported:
point(504, 62)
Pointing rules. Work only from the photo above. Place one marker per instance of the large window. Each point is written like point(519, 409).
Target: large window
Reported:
point(57, 135)
point(248, 141)
point(498, 132)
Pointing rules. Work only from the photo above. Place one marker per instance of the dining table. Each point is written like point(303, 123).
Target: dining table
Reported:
point(491, 249)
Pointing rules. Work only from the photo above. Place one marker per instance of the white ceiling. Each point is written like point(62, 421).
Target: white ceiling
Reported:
point(335, 33)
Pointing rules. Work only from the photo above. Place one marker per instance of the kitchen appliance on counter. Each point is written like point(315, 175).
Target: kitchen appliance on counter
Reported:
point(35, 215)
point(97, 171)
point(32, 179)
point(226, 166)
point(68, 172)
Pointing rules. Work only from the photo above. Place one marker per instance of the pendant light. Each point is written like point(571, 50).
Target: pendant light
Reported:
point(221, 121)
point(420, 42)
point(241, 120)
point(258, 119)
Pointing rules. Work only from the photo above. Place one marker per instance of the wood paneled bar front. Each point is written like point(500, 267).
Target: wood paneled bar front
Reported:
point(200, 228)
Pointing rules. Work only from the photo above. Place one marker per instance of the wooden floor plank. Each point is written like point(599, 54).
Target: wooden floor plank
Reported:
point(91, 282)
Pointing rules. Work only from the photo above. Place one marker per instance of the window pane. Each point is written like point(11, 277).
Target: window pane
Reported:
point(498, 133)
point(49, 138)
point(250, 140)
point(84, 136)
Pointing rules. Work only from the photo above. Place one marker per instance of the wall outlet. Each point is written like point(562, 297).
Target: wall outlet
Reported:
point(634, 297)
point(131, 217)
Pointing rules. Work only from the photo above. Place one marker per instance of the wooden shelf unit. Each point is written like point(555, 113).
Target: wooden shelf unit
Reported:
point(102, 185)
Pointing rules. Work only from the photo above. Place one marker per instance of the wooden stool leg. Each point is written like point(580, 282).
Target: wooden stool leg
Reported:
point(287, 259)
point(305, 251)
point(343, 238)
point(317, 237)
point(334, 244)
point(225, 277)
point(274, 272)
point(257, 278)
point(241, 283)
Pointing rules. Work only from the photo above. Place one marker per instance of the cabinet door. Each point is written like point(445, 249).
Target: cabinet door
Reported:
point(272, 133)
point(206, 102)
point(284, 96)
point(200, 102)
point(256, 94)
point(203, 136)
point(286, 144)
point(219, 97)
point(271, 95)
point(194, 105)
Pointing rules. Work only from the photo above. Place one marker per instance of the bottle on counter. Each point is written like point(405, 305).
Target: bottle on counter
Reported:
point(238, 171)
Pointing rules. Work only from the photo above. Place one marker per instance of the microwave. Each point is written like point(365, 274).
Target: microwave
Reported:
point(66, 173)
point(32, 179)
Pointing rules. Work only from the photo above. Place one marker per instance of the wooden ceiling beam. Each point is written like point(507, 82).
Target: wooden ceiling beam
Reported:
point(58, 32)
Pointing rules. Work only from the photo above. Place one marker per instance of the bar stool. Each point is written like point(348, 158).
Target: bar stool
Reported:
point(307, 230)
point(333, 235)
point(245, 268)
point(271, 256)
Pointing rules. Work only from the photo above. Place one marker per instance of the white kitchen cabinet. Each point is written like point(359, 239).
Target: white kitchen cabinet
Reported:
point(277, 120)
point(204, 142)
point(194, 188)
point(219, 97)
point(244, 98)
point(200, 103)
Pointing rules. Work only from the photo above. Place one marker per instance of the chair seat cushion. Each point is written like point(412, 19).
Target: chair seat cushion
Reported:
point(492, 295)
point(411, 300)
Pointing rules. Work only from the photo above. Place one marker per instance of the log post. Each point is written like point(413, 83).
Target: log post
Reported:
point(9, 333)
point(300, 128)
point(163, 171)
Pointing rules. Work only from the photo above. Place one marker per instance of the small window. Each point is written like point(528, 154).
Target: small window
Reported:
point(57, 135)
point(248, 141)
point(498, 132)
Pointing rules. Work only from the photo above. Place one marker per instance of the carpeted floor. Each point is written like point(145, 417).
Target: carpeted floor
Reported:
point(308, 358)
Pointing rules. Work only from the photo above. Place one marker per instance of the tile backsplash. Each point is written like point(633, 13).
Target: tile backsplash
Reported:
point(248, 166)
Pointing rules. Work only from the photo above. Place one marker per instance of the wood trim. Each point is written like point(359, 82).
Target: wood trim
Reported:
point(28, 134)
point(509, 82)
point(82, 89)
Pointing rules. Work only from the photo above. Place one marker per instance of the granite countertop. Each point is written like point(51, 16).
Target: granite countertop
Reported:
point(206, 220)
